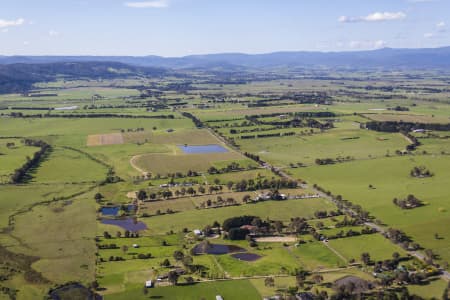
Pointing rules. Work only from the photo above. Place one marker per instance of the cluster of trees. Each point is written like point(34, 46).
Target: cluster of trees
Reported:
point(108, 246)
point(268, 135)
point(219, 202)
point(233, 226)
point(349, 233)
point(20, 174)
point(322, 214)
point(253, 157)
point(260, 184)
point(409, 202)
point(234, 166)
point(392, 126)
point(399, 108)
point(420, 172)
point(330, 161)
point(194, 119)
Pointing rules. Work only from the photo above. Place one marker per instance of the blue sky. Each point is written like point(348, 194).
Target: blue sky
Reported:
point(183, 27)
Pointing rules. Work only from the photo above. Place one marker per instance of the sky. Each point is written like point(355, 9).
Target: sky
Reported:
point(184, 27)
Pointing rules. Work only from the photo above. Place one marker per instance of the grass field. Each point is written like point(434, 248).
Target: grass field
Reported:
point(67, 249)
point(66, 165)
point(13, 158)
point(376, 245)
point(170, 163)
point(209, 290)
point(357, 143)
point(390, 177)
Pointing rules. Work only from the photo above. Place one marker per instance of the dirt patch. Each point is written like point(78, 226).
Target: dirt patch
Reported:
point(104, 139)
point(276, 239)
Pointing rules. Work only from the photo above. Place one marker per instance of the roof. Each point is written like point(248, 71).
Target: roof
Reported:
point(148, 283)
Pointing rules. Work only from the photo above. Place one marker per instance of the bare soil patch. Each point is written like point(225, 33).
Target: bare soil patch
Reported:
point(105, 139)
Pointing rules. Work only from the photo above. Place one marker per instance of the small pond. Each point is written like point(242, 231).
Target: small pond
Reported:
point(127, 224)
point(246, 256)
point(217, 249)
point(109, 210)
point(114, 210)
point(202, 149)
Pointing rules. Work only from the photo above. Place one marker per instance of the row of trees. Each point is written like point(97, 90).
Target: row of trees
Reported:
point(92, 115)
point(20, 174)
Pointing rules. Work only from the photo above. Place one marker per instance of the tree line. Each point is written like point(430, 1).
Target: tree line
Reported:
point(20, 174)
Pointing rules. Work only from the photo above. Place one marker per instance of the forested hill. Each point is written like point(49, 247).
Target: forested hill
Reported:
point(387, 58)
point(19, 77)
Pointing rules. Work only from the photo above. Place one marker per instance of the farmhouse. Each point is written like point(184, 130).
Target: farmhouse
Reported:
point(149, 284)
point(419, 130)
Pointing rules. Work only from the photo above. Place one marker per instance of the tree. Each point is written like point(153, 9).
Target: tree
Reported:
point(201, 189)
point(178, 255)
point(278, 225)
point(365, 258)
point(230, 185)
point(118, 234)
point(173, 277)
point(124, 248)
point(317, 278)
point(269, 282)
point(98, 197)
point(142, 195)
point(166, 263)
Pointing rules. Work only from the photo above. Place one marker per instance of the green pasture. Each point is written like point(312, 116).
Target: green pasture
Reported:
point(390, 178)
point(207, 290)
point(13, 158)
point(355, 142)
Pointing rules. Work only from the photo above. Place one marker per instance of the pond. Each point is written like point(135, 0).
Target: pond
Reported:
point(246, 256)
point(202, 149)
point(216, 249)
point(114, 210)
point(72, 291)
point(109, 210)
point(127, 224)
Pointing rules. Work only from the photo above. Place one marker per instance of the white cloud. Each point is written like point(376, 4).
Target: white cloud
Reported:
point(148, 4)
point(441, 26)
point(367, 44)
point(53, 33)
point(375, 17)
point(429, 35)
point(26, 43)
point(10, 23)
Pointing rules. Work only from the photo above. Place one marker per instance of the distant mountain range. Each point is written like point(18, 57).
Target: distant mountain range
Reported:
point(387, 58)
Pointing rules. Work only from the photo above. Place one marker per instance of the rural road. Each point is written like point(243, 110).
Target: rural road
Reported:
point(444, 274)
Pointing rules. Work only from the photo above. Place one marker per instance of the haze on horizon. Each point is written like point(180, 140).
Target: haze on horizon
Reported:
point(183, 27)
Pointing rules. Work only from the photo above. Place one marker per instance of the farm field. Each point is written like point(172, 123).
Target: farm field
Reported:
point(13, 157)
point(390, 178)
point(147, 176)
point(353, 142)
